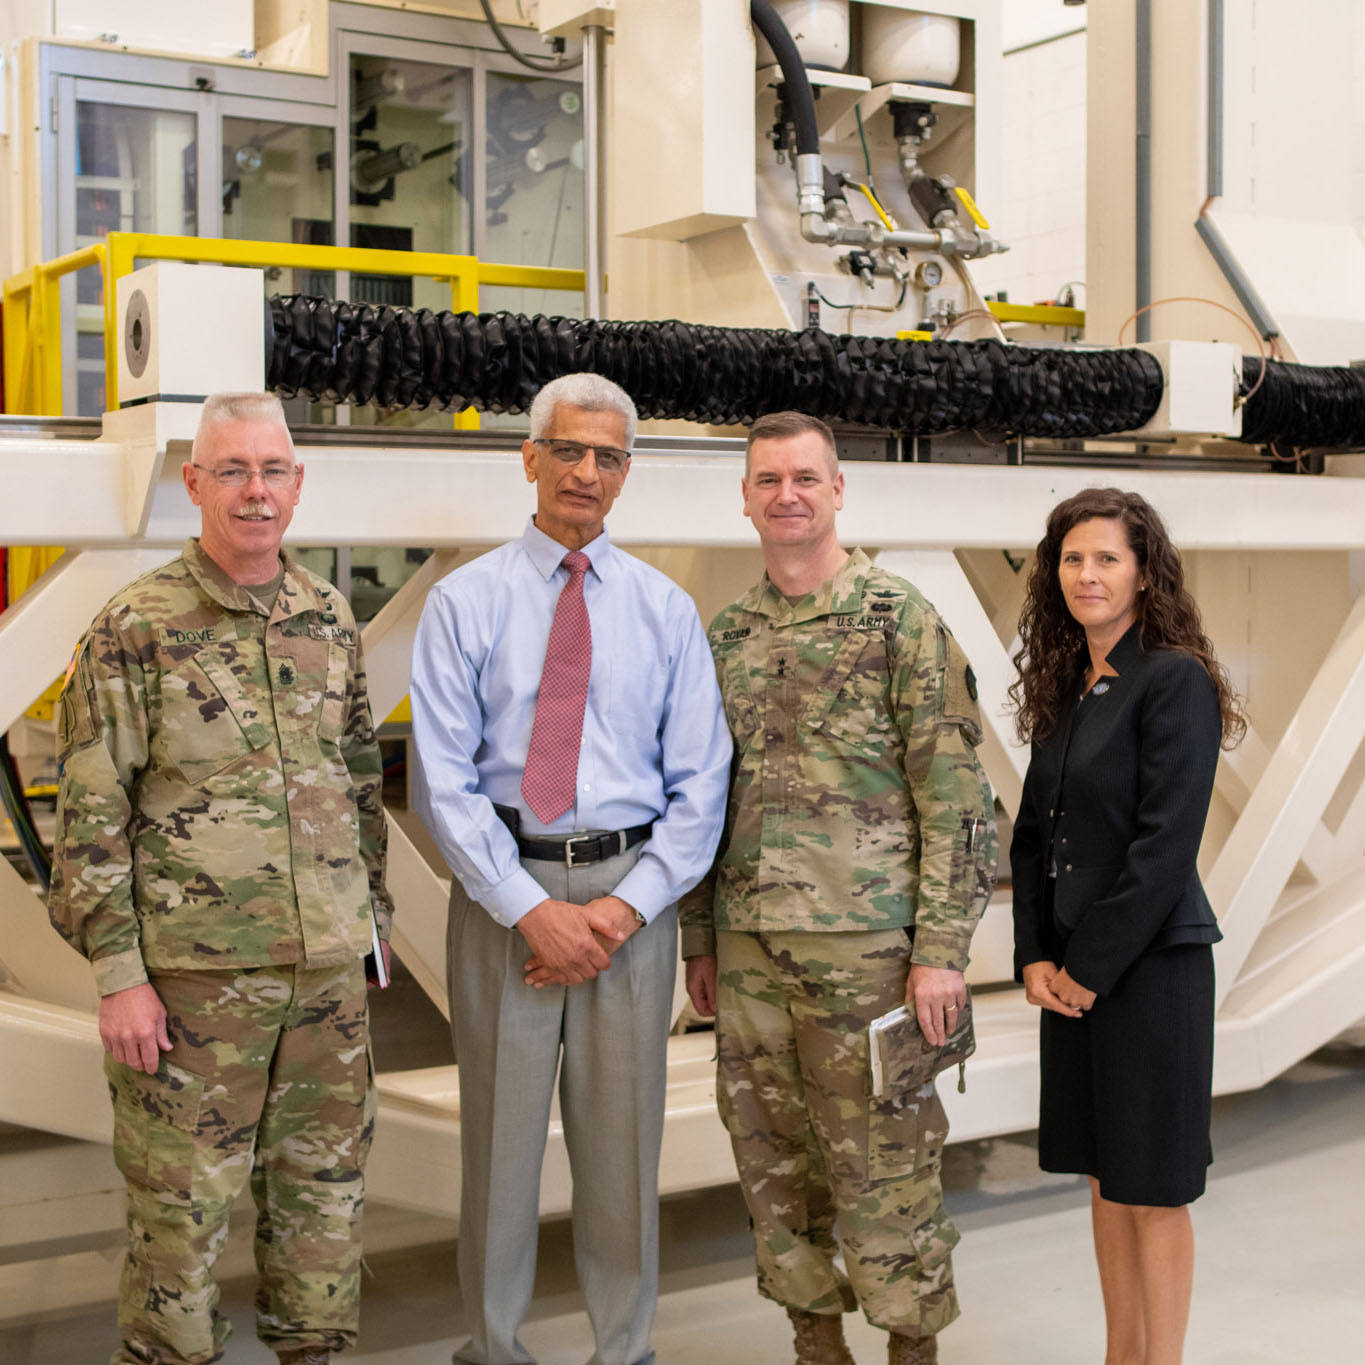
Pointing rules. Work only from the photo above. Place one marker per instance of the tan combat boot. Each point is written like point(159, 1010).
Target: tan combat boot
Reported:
point(903, 1350)
point(306, 1355)
point(819, 1338)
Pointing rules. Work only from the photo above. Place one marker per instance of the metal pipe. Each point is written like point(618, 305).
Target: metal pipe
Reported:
point(954, 241)
point(1215, 100)
point(1232, 272)
point(815, 227)
point(1142, 209)
point(1252, 303)
point(594, 178)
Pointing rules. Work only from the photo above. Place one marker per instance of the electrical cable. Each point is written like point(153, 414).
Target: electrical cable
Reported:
point(866, 307)
point(971, 313)
point(541, 64)
point(862, 137)
point(1212, 303)
point(21, 817)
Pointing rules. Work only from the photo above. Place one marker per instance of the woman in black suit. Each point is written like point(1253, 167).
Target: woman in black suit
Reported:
point(1126, 707)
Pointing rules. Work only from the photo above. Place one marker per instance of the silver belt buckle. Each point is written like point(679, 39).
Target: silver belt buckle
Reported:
point(569, 846)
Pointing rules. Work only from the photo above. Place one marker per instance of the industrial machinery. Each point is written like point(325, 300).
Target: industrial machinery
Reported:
point(821, 259)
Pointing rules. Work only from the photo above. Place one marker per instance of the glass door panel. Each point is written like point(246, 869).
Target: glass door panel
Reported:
point(534, 198)
point(277, 187)
point(533, 205)
point(133, 169)
point(411, 134)
point(411, 177)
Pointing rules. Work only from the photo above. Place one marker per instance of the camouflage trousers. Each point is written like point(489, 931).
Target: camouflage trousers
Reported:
point(816, 1154)
point(268, 1080)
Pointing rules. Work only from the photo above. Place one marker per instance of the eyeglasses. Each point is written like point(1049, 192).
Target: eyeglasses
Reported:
point(238, 475)
point(610, 460)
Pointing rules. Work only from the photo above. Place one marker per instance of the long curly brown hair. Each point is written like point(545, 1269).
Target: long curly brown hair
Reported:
point(1052, 641)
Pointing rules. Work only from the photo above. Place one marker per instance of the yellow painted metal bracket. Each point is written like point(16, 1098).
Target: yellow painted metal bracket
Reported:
point(1040, 314)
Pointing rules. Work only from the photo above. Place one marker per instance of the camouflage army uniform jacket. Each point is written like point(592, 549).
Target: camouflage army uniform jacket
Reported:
point(220, 800)
point(856, 798)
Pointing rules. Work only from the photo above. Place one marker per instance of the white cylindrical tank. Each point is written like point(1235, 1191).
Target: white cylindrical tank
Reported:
point(905, 45)
point(818, 27)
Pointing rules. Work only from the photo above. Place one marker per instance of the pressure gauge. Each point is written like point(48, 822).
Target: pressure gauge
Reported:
point(928, 274)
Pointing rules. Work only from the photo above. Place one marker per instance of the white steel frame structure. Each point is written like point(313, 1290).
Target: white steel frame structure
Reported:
point(1285, 866)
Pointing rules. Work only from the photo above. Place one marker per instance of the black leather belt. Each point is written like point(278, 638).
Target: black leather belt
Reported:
point(573, 850)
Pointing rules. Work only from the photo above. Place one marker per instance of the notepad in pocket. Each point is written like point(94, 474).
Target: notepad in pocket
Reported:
point(902, 1059)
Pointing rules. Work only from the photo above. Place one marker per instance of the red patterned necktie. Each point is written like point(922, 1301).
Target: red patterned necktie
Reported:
point(550, 780)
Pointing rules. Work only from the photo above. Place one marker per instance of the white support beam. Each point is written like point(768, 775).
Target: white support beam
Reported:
point(56, 1194)
point(1239, 772)
point(421, 904)
point(43, 626)
point(363, 496)
point(938, 575)
point(999, 585)
point(35, 960)
point(100, 493)
point(1270, 835)
point(1349, 841)
point(61, 493)
point(52, 1070)
point(388, 638)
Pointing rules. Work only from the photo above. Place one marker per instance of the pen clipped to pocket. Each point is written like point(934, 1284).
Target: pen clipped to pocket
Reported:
point(902, 1059)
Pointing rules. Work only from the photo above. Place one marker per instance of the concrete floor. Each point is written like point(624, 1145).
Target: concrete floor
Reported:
point(1280, 1278)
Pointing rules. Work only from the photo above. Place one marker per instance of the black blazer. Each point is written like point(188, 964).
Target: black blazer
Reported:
point(1117, 796)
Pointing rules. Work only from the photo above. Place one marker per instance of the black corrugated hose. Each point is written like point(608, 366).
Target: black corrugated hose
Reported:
point(496, 362)
point(1303, 406)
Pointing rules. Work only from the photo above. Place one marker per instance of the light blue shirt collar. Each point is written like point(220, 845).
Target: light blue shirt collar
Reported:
point(547, 554)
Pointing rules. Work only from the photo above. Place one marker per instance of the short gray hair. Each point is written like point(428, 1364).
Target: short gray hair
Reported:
point(591, 392)
point(238, 407)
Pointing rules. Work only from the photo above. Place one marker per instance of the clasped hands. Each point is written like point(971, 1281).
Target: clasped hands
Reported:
point(572, 943)
point(1052, 987)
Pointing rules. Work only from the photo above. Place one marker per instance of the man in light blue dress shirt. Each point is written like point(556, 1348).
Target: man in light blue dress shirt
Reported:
point(559, 939)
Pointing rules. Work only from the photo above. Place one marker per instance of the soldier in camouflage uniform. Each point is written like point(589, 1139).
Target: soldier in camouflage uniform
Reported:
point(220, 860)
point(858, 855)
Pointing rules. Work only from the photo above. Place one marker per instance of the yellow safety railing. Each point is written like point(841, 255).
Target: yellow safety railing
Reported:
point(33, 384)
point(465, 274)
point(32, 311)
point(33, 332)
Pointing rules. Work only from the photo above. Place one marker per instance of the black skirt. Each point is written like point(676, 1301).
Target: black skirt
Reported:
point(1127, 1088)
